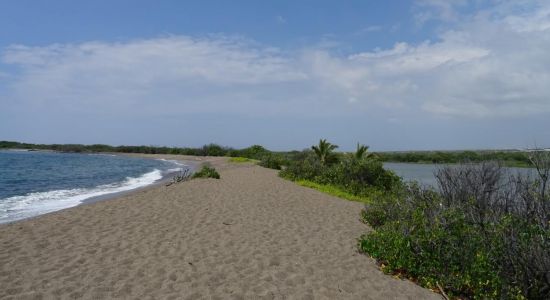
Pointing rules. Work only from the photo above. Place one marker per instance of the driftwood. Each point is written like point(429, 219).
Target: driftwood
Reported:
point(183, 175)
point(442, 291)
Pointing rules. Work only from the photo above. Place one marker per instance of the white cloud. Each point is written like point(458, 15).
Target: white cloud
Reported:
point(220, 60)
point(538, 21)
point(185, 73)
point(496, 64)
point(443, 10)
point(486, 67)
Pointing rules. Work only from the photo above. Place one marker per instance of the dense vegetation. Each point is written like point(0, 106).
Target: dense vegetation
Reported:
point(357, 174)
point(484, 235)
point(509, 158)
point(206, 150)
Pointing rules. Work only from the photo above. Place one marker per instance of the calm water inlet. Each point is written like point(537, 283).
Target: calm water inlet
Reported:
point(425, 173)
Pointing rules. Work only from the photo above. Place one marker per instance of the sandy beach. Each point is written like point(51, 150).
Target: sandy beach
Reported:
point(249, 235)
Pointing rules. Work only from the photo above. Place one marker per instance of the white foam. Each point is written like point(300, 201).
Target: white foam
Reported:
point(176, 162)
point(181, 166)
point(169, 171)
point(33, 204)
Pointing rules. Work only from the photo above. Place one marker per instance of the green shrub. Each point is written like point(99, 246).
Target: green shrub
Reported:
point(255, 152)
point(482, 235)
point(303, 166)
point(207, 172)
point(213, 150)
point(273, 161)
point(448, 252)
point(378, 213)
point(356, 176)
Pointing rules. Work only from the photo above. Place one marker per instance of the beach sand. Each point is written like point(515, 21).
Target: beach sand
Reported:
point(249, 235)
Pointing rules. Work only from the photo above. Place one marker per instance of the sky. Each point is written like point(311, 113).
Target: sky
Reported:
point(394, 75)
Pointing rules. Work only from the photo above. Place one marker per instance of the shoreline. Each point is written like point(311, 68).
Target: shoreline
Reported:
point(250, 234)
point(192, 165)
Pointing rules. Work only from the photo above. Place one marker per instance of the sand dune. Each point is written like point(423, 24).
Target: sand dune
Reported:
point(249, 235)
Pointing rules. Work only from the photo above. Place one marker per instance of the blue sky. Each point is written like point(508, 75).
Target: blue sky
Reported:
point(287, 24)
point(396, 75)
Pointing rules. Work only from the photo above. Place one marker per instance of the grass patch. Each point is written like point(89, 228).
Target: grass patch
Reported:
point(242, 160)
point(332, 190)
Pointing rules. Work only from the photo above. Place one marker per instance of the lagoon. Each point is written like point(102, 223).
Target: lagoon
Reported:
point(425, 173)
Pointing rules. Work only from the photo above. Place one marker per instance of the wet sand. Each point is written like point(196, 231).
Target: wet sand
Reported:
point(249, 235)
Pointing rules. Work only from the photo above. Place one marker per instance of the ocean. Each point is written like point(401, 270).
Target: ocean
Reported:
point(36, 182)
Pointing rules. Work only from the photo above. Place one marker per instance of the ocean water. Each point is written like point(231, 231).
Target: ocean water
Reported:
point(33, 183)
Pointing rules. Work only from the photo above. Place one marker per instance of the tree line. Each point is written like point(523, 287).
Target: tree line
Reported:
point(509, 158)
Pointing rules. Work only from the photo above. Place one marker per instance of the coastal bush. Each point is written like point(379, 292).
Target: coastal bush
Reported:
point(509, 158)
point(417, 239)
point(353, 177)
point(207, 172)
point(213, 150)
point(483, 234)
point(273, 161)
point(304, 166)
point(256, 152)
point(357, 176)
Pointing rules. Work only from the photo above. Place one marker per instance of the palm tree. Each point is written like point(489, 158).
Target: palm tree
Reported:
point(323, 150)
point(362, 152)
